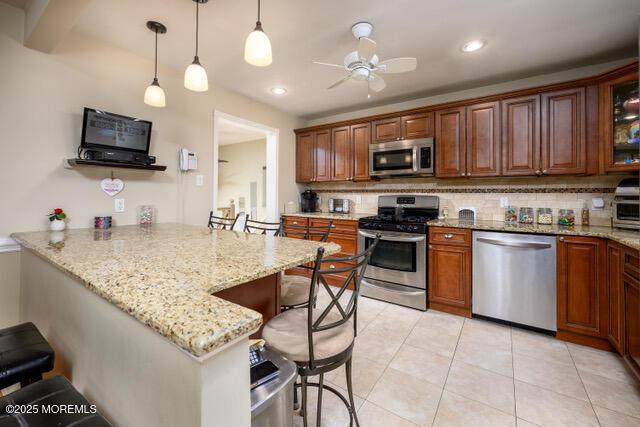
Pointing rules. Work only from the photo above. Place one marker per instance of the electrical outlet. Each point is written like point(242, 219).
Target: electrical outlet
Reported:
point(199, 180)
point(504, 202)
point(119, 205)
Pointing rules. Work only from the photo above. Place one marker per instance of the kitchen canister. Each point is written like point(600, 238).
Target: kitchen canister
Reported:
point(566, 217)
point(510, 214)
point(145, 214)
point(525, 216)
point(545, 216)
point(102, 222)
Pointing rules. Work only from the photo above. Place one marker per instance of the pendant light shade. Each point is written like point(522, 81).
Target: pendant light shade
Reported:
point(195, 76)
point(154, 95)
point(257, 48)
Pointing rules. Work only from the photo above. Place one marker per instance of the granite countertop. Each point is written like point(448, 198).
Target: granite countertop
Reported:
point(626, 237)
point(165, 275)
point(328, 215)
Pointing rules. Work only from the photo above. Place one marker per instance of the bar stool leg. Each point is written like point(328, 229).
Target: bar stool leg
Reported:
point(350, 390)
point(319, 411)
point(303, 380)
point(296, 405)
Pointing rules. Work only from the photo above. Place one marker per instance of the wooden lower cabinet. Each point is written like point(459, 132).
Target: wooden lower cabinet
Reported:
point(632, 323)
point(449, 273)
point(615, 296)
point(582, 291)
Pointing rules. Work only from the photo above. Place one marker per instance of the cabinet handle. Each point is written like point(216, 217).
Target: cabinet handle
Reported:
point(561, 239)
point(332, 266)
point(544, 171)
point(462, 174)
point(448, 236)
point(538, 172)
point(468, 173)
point(295, 222)
point(430, 246)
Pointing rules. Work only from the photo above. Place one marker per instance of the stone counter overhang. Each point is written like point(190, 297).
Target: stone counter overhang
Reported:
point(164, 275)
point(628, 238)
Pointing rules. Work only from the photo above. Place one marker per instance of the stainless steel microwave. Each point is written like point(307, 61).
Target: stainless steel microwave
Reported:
point(408, 157)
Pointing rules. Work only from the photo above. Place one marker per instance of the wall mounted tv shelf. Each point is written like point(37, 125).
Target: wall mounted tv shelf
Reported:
point(74, 163)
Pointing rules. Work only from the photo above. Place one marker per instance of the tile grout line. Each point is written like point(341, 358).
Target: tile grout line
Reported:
point(583, 386)
point(513, 376)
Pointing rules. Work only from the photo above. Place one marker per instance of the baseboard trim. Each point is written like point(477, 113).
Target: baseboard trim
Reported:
point(7, 244)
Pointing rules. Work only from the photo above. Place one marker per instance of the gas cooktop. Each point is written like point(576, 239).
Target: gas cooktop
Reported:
point(403, 214)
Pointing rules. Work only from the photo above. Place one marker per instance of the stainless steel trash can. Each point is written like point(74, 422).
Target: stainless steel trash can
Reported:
point(272, 402)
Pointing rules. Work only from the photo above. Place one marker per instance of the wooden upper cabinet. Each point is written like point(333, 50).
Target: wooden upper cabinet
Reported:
point(521, 136)
point(450, 143)
point(386, 130)
point(582, 299)
point(417, 126)
point(564, 149)
point(322, 155)
point(483, 139)
point(615, 296)
point(341, 154)
point(360, 140)
point(617, 153)
point(305, 157)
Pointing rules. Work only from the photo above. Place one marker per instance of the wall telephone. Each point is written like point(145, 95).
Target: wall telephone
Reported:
point(188, 160)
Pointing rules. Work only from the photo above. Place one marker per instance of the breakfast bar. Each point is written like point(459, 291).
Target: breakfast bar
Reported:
point(152, 322)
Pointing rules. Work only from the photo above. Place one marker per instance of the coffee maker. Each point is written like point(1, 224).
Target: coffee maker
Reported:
point(309, 201)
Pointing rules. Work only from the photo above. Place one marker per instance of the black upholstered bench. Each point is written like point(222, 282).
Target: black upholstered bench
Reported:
point(24, 355)
point(50, 402)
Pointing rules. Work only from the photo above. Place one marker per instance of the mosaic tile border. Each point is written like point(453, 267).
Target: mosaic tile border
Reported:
point(469, 190)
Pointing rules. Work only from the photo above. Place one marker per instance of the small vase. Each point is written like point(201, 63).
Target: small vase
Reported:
point(57, 225)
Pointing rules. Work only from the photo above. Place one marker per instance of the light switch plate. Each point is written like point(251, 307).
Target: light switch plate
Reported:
point(118, 205)
point(504, 202)
point(199, 180)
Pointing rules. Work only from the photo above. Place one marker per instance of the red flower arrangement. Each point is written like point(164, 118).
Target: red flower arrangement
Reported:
point(57, 214)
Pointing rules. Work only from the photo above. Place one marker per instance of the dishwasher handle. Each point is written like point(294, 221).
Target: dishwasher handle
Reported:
point(526, 245)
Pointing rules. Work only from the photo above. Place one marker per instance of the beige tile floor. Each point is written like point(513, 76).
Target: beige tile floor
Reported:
point(415, 368)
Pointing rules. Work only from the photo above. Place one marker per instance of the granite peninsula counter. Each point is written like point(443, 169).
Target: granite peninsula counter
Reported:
point(92, 290)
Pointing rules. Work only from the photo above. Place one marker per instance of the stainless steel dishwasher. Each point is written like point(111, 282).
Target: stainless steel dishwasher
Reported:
point(514, 278)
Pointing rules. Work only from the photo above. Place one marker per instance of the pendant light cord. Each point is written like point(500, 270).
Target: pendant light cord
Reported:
point(155, 77)
point(258, 11)
point(197, 21)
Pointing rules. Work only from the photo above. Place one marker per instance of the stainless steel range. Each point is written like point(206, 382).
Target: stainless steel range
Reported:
point(397, 271)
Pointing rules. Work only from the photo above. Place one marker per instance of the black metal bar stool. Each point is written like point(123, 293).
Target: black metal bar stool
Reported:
point(295, 289)
point(261, 227)
point(322, 340)
point(221, 223)
point(54, 393)
point(24, 355)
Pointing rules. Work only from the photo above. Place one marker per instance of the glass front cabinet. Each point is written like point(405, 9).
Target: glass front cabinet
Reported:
point(620, 131)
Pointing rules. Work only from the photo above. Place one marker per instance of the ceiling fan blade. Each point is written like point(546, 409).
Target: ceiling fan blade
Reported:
point(328, 65)
point(397, 65)
point(377, 83)
point(339, 82)
point(366, 48)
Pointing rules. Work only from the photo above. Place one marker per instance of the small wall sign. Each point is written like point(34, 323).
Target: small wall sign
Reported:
point(112, 186)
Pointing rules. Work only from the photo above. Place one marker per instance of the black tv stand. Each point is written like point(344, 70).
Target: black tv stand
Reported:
point(75, 162)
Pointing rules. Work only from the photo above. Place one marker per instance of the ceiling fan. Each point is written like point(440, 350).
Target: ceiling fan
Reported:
point(364, 65)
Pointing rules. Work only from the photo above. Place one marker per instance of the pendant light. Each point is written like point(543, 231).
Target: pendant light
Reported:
point(154, 95)
point(257, 49)
point(195, 77)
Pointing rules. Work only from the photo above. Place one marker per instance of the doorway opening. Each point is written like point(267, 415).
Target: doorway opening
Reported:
point(245, 165)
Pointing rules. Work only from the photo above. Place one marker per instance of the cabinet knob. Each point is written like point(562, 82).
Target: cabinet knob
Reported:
point(538, 172)
point(468, 173)
point(398, 139)
point(448, 236)
point(544, 171)
point(430, 246)
point(295, 222)
point(462, 174)
point(561, 239)
point(332, 266)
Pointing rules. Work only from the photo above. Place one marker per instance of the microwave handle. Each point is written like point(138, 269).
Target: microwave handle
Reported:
point(415, 158)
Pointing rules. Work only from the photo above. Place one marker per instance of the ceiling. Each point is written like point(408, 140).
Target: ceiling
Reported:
point(230, 133)
point(524, 38)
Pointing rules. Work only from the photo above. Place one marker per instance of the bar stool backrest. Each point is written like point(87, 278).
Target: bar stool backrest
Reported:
point(221, 223)
point(260, 227)
point(356, 266)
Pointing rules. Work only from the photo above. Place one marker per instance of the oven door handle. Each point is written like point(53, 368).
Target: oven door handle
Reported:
point(386, 289)
point(394, 238)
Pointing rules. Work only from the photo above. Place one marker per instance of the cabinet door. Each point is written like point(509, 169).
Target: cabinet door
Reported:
point(417, 126)
point(521, 136)
point(340, 154)
point(483, 139)
point(582, 302)
point(322, 155)
point(450, 144)
point(450, 277)
point(632, 322)
point(615, 296)
point(618, 154)
point(360, 140)
point(305, 157)
point(386, 130)
point(564, 149)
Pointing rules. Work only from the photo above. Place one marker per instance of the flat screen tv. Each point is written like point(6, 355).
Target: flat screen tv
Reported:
point(109, 131)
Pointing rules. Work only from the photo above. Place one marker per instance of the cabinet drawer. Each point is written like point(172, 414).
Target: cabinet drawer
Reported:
point(296, 220)
point(631, 264)
point(347, 244)
point(339, 226)
point(450, 236)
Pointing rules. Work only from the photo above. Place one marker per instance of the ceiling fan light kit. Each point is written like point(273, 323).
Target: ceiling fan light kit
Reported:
point(364, 65)
point(257, 48)
point(195, 76)
point(154, 94)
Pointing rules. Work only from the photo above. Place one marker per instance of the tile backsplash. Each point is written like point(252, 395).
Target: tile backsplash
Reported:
point(484, 195)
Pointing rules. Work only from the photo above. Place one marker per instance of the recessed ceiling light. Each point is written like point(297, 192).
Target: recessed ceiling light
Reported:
point(472, 46)
point(278, 90)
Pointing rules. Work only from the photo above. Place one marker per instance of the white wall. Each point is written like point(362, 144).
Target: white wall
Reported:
point(245, 162)
point(540, 80)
